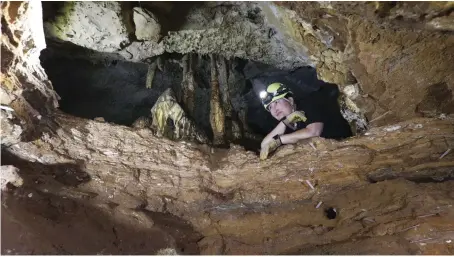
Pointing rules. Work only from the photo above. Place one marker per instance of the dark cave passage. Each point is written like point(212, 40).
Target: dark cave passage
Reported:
point(116, 90)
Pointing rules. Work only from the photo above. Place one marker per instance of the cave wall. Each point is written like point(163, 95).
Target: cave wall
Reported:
point(395, 52)
point(25, 86)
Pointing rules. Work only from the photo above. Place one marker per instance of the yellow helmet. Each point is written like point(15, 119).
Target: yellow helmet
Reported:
point(274, 91)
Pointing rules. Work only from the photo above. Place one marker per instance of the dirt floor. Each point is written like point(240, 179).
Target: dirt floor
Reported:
point(38, 222)
point(403, 218)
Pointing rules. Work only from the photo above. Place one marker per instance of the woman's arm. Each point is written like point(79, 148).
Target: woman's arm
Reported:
point(312, 130)
point(278, 130)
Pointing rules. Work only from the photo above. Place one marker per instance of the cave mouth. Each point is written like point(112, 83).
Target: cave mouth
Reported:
point(116, 90)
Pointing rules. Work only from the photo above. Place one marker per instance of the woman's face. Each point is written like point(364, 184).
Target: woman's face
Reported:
point(281, 108)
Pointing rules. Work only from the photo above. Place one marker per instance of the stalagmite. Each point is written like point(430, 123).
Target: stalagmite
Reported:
point(170, 120)
point(217, 116)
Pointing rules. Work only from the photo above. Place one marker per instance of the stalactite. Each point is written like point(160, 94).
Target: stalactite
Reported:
point(224, 85)
point(150, 74)
point(217, 116)
point(223, 73)
point(180, 93)
point(188, 84)
point(159, 63)
point(239, 126)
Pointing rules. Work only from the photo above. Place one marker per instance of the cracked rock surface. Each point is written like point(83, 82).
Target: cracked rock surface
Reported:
point(270, 201)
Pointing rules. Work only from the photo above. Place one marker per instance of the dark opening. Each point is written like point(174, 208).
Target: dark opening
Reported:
point(331, 213)
point(116, 91)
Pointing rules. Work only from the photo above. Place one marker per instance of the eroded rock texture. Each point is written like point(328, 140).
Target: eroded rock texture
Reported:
point(389, 48)
point(82, 186)
point(242, 205)
point(169, 119)
point(25, 86)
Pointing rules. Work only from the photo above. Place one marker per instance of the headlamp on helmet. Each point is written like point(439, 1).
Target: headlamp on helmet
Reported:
point(263, 94)
point(273, 93)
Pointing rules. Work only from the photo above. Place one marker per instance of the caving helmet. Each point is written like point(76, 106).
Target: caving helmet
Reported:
point(274, 91)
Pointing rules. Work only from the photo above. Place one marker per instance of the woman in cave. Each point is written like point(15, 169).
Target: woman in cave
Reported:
point(311, 120)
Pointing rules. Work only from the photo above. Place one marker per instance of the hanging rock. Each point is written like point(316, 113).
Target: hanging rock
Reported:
point(188, 84)
point(170, 120)
point(239, 30)
point(147, 26)
point(94, 25)
point(217, 113)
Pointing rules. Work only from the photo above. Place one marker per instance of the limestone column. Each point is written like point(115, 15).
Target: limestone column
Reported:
point(217, 115)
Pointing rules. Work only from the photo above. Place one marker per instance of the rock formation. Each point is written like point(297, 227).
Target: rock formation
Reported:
point(169, 119)
point(74, 185)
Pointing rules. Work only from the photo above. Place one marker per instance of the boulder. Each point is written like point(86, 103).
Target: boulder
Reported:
point(94, 25)
point(147, 25)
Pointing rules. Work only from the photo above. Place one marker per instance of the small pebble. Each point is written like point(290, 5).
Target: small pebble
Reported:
point(30, 195)
point(309, 184)
point(445, 153)
point(312, 145)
